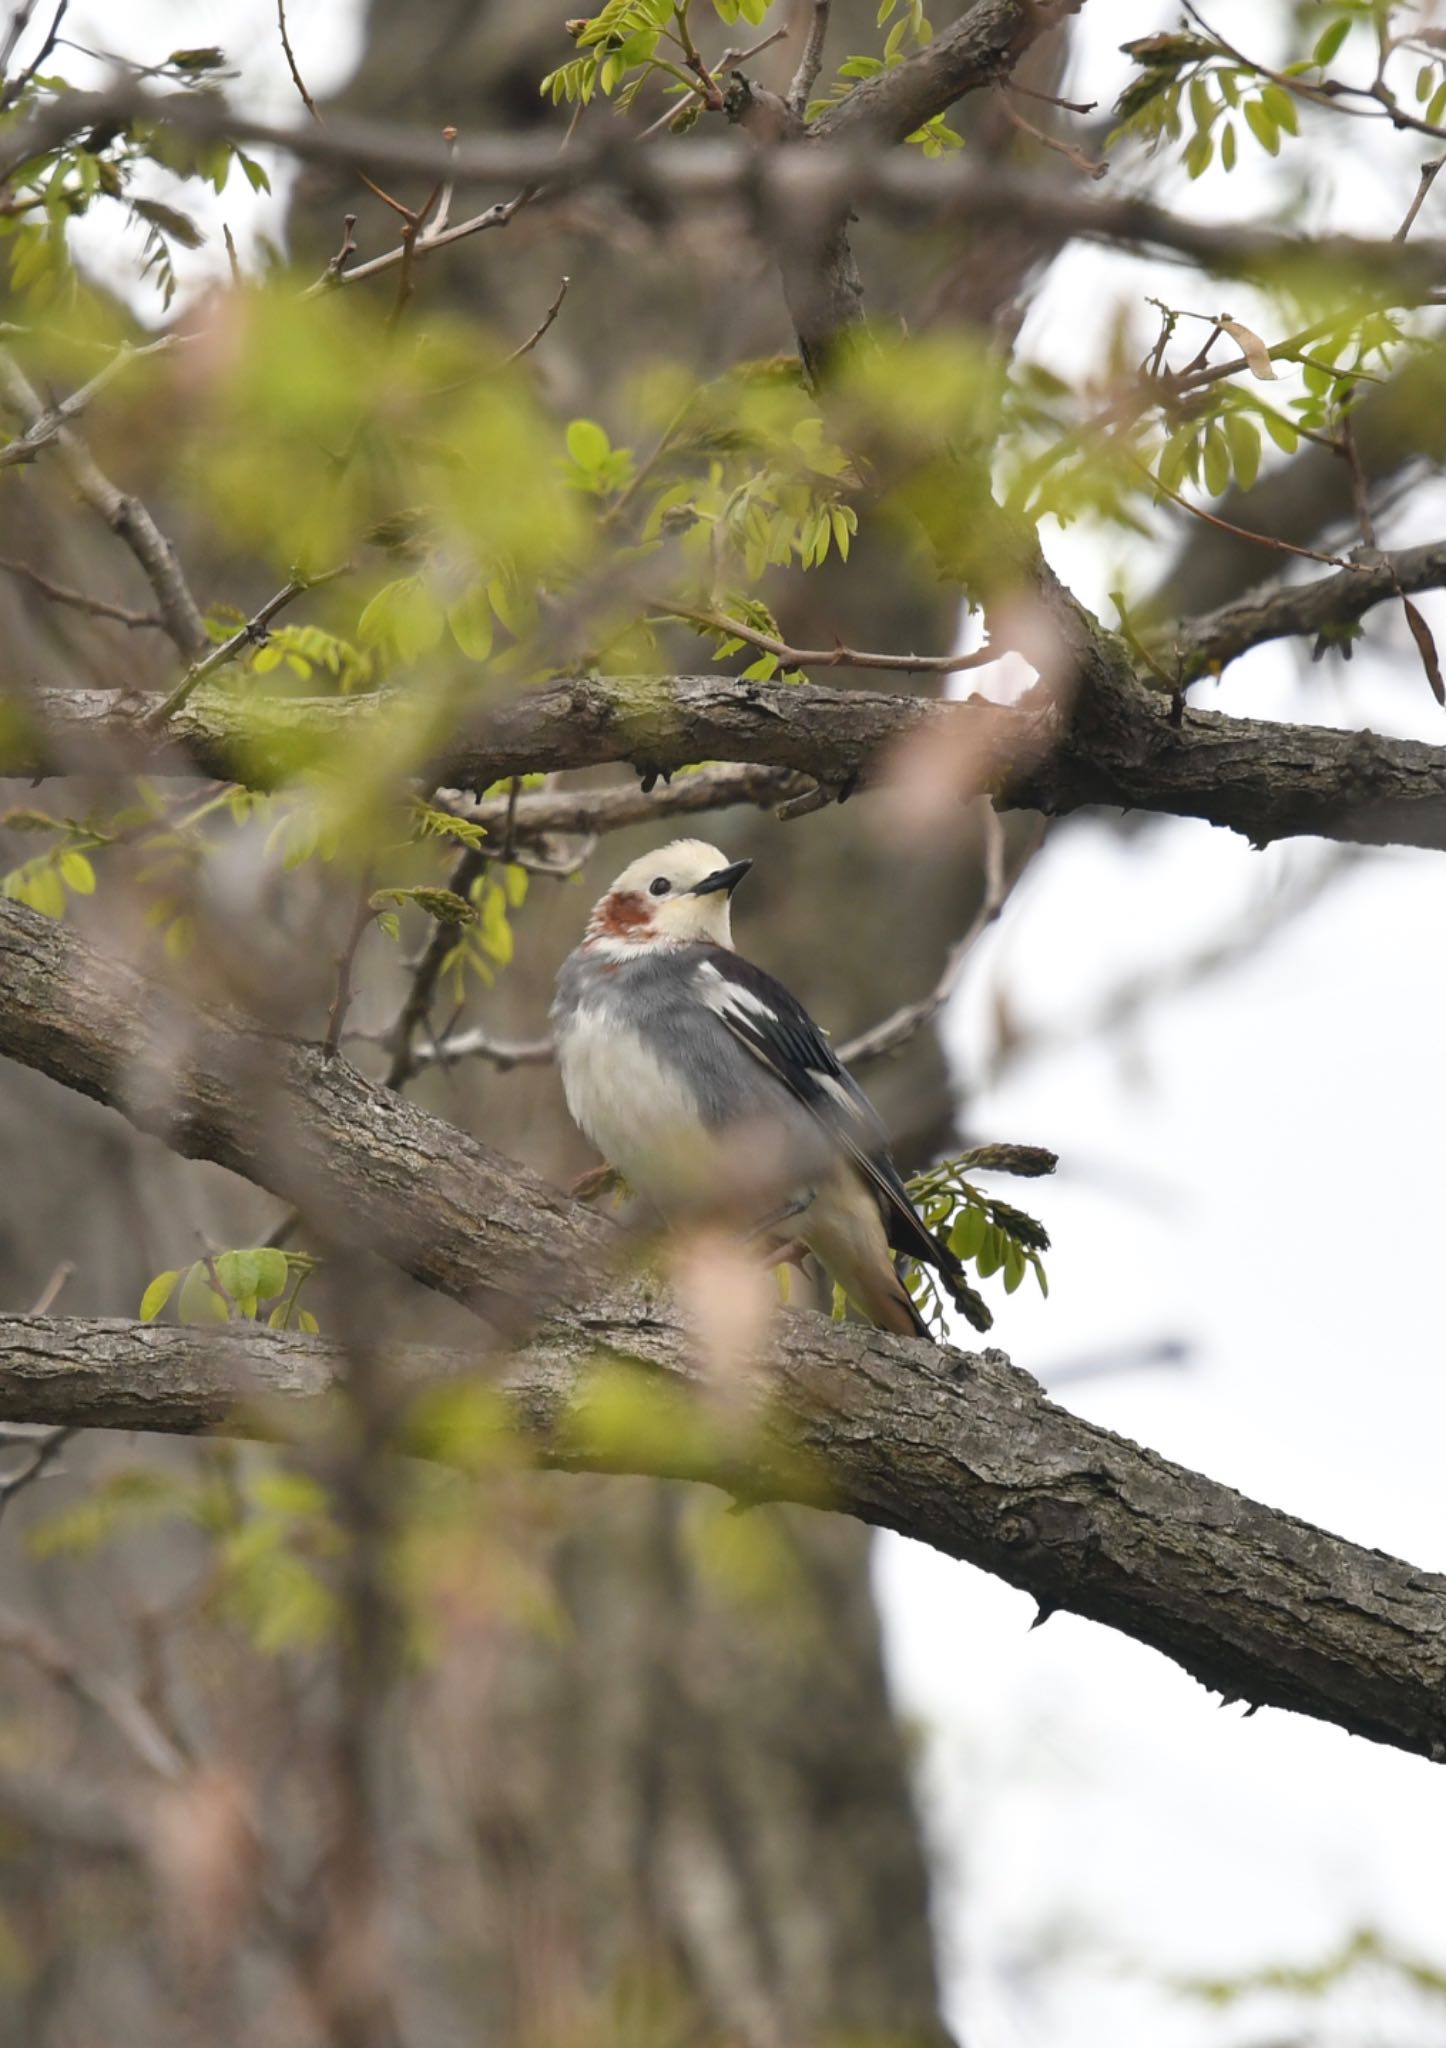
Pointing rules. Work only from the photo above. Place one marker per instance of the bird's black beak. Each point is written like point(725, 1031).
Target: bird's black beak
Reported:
point(725, 878)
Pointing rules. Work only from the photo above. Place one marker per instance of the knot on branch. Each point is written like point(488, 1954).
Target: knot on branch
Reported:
point(1017, 1532)
point(760, 113)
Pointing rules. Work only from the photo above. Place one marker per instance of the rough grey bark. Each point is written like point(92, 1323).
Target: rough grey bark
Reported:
point(1123, 745)
point(960, 1451)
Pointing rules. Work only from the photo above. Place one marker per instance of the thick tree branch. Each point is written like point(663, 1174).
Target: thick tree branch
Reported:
point(1283, 610)
point(362, 1162)
point(1124, 746)
point(965, 1454)
point(979, 47)
point(962, 1452)
point(816, 175)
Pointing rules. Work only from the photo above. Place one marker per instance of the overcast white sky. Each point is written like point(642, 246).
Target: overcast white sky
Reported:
point(1257, 1170)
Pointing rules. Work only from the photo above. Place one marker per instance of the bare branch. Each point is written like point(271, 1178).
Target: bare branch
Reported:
point(816, 175)
point(98, 607)
point(126, 517)
point(596, 811)
point(810, 61)
point(1282, 611)
point(898, 1029)
point(830, 657)
point(1123, 745)
point(1255, 1604)
point(250, 635)
point(364, 1165)
point(138, 1728)
point(981, 46)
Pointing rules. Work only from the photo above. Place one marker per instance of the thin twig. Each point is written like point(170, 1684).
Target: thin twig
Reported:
point(1053, 99)
point(1430, 171)
point(898, 1029)
point(496, 216)
point(362, 918)
point(1093, 167)
point(810, 61)
point(99, 607)
point(400, 1036)
point(546, 321)
point(474, 1044)
point(51, 1291)
point(18, 24)
point(1264, 540)
point(126, 517)
point(44, 1445)
point(46, 428)
point(140, 1730)
point(829, 657)
point(541, 812)
point(249, 635)
point(316, 114)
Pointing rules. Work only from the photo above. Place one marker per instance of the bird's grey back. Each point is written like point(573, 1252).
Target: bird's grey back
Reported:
point(655, 994)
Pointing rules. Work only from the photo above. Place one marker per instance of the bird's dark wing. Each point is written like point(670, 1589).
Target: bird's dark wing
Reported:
point(776, 1029)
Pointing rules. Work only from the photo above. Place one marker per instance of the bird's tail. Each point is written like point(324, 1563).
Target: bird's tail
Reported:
point(887, 1303)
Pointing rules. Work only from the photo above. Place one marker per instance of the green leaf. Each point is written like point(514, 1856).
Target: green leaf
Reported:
point(1227, 146)
point(968, 1232)
point(588, 444)
point(199, 1302)
point(1330, 40)
point(256, 176)
point(77, 873)
point(1281, 430)
point(237, 1273)
point(158, 1294)
point(1244, 438)
point(470, 621)
point(1217, 462)
point(1437, 107)
point(273, 1271)
point(445, 905)
point(1258, 121)
point(991, 1254)
point(1280, 105)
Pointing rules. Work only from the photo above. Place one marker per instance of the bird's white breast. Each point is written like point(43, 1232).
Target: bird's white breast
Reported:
point(640, 1113)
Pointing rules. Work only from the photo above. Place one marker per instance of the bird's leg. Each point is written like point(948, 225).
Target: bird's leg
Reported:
point(793, 1253)
point(598, 1180)
point(795, 1207)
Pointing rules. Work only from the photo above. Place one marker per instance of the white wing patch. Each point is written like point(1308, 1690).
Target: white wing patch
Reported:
point(831, 1085)
point(723, 995)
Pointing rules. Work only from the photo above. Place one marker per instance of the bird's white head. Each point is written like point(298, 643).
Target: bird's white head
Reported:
point(677, 896)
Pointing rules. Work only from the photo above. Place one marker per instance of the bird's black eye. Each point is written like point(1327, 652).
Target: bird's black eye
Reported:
point(660, 887)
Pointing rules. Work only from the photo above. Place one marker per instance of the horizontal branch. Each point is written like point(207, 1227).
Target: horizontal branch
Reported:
point(1282, 611)
point(1125, 747)
point(366, 1166)
point(964, 1453)
point(813, 178)
point(715, 788)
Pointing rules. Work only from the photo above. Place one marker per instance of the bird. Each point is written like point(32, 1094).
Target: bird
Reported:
point(709, 1089)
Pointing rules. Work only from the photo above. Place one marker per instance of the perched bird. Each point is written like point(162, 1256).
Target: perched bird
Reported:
point(713, 1093)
